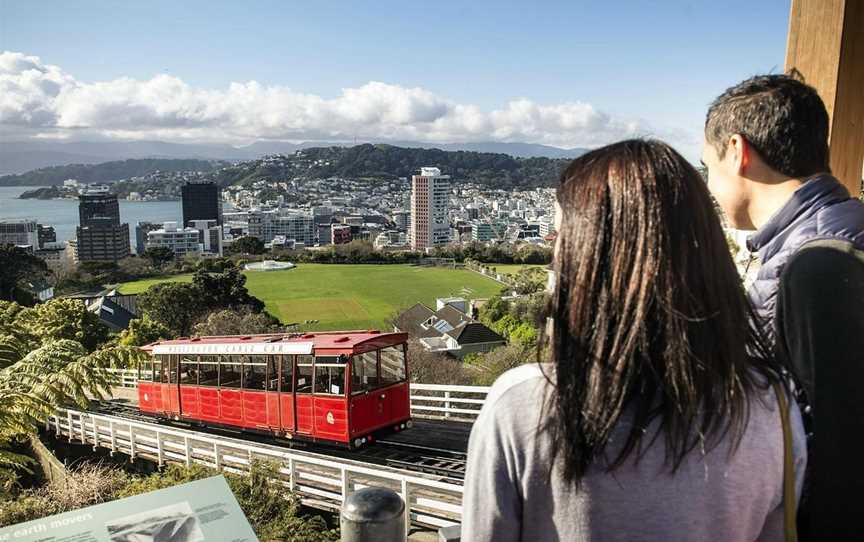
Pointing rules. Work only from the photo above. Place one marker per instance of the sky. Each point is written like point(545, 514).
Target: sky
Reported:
point(569, 74)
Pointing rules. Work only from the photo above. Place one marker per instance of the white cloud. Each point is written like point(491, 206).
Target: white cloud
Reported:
point(38, 99)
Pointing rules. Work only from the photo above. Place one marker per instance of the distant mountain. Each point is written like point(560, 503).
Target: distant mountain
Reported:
point(21, 156)
point(108, 171)
point(518, 150)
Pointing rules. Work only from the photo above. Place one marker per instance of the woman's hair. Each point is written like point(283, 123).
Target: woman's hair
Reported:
point(649, 314)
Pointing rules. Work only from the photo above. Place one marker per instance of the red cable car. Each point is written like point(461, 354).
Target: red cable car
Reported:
point(338, 387)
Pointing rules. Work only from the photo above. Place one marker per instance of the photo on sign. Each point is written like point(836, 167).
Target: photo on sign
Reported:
point(173, 523)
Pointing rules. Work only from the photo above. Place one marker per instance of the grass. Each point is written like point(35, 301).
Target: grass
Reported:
point(349, 296)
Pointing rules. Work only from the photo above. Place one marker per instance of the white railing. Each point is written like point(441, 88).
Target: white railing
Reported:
point(123, 378)
point(318, 480)
point(437, 401)
point(458, 403)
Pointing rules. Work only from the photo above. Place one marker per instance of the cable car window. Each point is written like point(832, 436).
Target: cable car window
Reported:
point(329, 378)
point(209, 371)
point(303, 376)
point(172, 369)
point(364, 372)
point(272, 373)
point(160, 366)
point(392, 364)
point(229, 372)
point(254, 372)
point(189, 369)
point(287, 373)
point(145, 371)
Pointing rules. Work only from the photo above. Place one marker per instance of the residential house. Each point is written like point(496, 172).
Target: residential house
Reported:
point(448, 330)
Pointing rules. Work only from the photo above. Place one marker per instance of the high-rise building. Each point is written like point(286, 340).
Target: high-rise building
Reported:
point(98, 208)
point(429, 200)
point(201, 201)
point(100, 235)
point(47, 235)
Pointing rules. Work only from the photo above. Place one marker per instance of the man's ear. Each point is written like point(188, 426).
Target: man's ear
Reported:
point(739, 151)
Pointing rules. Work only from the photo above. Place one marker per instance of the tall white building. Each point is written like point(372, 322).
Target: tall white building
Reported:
point(430, 192)
point(209, 235)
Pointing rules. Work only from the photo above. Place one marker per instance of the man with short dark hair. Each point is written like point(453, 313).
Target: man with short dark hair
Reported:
point(766, 151)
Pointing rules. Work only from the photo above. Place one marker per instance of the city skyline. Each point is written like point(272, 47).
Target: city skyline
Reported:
point(568, 76)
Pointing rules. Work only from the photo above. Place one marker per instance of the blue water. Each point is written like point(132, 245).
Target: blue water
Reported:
point(63, 213)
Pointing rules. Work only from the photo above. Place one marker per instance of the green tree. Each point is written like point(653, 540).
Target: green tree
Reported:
point(15, 265)
point(237, 322)
point(143, 331)
point(179, 305)
point(226, 290)
point(247, 245)
point(176, 305)
point(159, 256)
point(41, 368)
point(493, 310)
point(63, 318)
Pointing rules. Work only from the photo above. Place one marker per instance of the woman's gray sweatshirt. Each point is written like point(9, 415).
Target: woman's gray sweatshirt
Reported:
point(712, 496)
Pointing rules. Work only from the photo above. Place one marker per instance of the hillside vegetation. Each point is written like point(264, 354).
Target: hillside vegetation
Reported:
point(362, 161)
point(386, 161)
point(108, 171)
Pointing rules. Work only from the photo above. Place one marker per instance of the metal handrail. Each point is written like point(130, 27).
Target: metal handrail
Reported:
point(318, 480)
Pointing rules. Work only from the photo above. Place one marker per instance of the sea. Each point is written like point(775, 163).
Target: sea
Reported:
point(63, 213)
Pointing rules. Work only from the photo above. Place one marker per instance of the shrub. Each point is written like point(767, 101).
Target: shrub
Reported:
point(273, 513)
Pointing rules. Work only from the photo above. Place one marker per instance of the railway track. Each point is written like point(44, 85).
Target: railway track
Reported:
point(410, 450)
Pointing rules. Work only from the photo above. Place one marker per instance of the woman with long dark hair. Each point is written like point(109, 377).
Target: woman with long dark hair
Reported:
point(656, 415)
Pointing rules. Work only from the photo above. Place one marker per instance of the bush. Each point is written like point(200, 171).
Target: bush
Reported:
point(430, 368)
point(491, 365)
point(88, 485)
point(273, 513)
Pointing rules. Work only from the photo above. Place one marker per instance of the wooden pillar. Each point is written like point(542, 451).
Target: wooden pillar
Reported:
point(826, 46)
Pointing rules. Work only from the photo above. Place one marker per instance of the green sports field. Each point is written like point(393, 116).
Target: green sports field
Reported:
point(350, 296)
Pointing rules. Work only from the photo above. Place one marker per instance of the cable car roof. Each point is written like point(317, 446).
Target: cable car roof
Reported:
point(280, 343)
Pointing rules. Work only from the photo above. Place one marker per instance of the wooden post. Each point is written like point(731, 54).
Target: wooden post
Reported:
point(826, 46)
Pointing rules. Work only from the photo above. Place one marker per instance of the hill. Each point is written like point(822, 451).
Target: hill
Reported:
point(20, 156)
point(107, 171)
point(387, 161)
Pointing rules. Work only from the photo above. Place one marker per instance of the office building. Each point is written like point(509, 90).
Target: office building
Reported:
point(402, 219)
point(429, 202)
point(21, 232)
point(141, 231)
point(325, 236)
point(201, 201)
point(181, 241)
point(266, 225)
point(47, 235)
point(209, 235)
point(340, 234)
point(100, 235)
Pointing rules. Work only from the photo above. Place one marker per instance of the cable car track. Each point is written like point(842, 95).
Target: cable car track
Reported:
point(449, 464)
